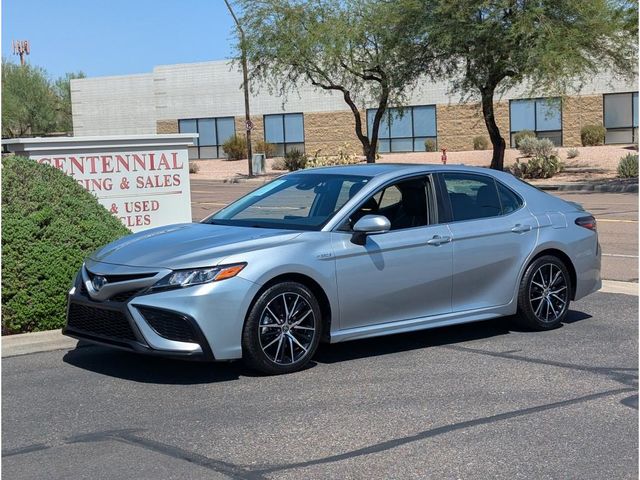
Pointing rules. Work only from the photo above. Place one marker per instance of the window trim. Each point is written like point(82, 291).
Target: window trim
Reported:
point(447, 199)
point(613, 129)
point(284, 131)
point(413, 136)
point(535, 118)
point(217, 146)
point(343, 226)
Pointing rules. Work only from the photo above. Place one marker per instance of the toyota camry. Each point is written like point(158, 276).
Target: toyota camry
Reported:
point(335, 254)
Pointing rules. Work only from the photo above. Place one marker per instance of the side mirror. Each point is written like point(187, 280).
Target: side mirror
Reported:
point(369, 225)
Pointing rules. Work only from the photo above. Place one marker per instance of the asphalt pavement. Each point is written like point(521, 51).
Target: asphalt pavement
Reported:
point(476, 401)
point(617, 215)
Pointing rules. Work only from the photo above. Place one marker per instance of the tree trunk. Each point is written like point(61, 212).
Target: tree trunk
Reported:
point(499, 145)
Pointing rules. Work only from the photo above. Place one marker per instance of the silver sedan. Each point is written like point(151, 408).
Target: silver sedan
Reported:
point(336, 254)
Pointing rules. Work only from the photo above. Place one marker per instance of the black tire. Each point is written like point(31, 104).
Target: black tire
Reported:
point(263, 335)
point(543, 305)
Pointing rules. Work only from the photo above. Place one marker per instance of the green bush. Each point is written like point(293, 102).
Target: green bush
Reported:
point(538, 167)
point(295, 160)
point(268, 149)
point(235, 148)
point(536, 147)
point(49, 225)
point(573, 153)
point(430, 145)
point(628, 166)
point(522, 134)
point(480, 143)
point(592, 135)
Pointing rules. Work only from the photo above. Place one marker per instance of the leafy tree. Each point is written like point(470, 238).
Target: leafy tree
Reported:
point(486, 47)
point(62, 88)
point(28, 102)
point(32, 104)
point(351, 48)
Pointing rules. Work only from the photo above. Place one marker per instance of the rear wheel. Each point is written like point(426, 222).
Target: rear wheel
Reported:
point(544, 294)
point(283, 329)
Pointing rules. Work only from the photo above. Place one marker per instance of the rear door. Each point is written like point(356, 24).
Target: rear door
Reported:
point(492, 235)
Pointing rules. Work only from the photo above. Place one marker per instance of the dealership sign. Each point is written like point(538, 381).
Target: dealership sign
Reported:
point(141, 179)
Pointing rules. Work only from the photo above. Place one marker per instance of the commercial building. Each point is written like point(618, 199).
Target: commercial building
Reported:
point(207, 98)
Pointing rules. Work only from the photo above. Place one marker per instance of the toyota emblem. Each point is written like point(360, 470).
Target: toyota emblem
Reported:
point(98, 282)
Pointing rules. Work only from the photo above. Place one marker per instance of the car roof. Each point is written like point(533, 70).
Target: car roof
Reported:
point(377, 169)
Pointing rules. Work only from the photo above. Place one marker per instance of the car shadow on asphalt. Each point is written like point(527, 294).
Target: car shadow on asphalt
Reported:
point(158, 370)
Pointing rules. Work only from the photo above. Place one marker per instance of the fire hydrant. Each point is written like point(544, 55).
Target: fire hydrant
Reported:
point(444, 156)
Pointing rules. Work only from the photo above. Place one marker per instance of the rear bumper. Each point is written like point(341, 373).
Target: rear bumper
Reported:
point(587, 266)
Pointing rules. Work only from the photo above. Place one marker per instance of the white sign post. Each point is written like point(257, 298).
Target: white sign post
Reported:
point(141, 179)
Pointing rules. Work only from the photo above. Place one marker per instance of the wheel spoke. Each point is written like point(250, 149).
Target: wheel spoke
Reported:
point(278, 349)
point(555, 314)
point(539, 309)
point(273, 315)
point(556, 278)
point(561, 299)
point(270, 325)
point(533, 299)
point(550, 274)
point(293, 309)
point(544, 285)
point(272, 342)
point(557, 290)
point(299, 321)
point(537, 284)
point(546, 317)
point(293, 358)
point(298, 327)
point(291, 337)
point(286, 309)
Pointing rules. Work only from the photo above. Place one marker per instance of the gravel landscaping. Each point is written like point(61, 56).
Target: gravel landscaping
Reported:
point(592, 163)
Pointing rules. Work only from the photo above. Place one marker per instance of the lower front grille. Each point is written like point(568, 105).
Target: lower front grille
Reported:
point(169, 325)
point(100, 321)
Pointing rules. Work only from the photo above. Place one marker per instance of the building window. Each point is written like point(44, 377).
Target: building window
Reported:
point(285, 131)
point(621, 117)
point(213, 132)
point(404, 130)
point(540, 115)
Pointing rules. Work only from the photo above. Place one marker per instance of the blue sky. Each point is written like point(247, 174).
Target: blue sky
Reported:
point(116, 37)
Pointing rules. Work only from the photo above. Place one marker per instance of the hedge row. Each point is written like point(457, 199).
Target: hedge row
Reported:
point(49, 225)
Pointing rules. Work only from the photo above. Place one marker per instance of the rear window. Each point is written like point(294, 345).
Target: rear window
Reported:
point(472, 196)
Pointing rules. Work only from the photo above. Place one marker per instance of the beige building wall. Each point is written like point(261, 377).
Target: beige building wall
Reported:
point(578, 112)
point(459, 124)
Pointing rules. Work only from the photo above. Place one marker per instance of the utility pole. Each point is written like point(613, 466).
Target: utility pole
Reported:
point(22, 48)
point(245, 86)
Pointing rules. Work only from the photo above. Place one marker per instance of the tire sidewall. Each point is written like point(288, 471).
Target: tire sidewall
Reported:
point(525, 311)
point(252, 352)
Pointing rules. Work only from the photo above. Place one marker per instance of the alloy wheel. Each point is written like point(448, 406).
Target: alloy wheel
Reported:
point(548, 293)
point(287, 328)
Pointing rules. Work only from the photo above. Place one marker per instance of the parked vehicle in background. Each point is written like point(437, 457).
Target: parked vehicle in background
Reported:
point(335, 254)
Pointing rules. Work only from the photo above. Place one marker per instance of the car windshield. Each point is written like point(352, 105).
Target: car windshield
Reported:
point(296, 201)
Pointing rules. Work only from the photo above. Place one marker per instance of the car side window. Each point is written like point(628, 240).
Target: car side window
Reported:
point(509, 200)
point(472, 196)
point(405, 204)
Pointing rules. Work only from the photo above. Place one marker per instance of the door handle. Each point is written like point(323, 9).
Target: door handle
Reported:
point(518, 228)
point(438, 240)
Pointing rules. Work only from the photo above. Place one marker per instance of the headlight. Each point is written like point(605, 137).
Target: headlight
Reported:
point(197, 276)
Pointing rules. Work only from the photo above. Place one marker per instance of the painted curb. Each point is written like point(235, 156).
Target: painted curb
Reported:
point(37, 342)
point(591, 187)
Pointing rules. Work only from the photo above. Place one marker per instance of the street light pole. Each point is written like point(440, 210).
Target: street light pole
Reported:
point(245, 86)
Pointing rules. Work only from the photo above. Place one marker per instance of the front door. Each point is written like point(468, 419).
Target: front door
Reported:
point(399, 275)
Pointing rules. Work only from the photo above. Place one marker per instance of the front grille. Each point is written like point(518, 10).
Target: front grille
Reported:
point(172, 326)
point(122, 277)
point(100, 321)
point(123, 296)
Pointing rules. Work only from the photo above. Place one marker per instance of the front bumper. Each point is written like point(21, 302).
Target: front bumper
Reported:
point(212, 315)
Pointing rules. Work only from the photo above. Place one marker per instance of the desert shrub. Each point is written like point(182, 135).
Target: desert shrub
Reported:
point(536, 147)
point(235, 148)
point(628, 166)
point(194, 167)
point(430, 145)
point(268, 149)
point(573, 153)
point(522, 134)
point(50, 224)
point(295, 160)
point(345, 156)
point(278, 164)
point(538, 167)
point(592, 135)
point(480, 143)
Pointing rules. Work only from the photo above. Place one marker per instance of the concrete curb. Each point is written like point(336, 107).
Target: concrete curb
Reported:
point(25, 343)
point(37, 342)
point(591, 187)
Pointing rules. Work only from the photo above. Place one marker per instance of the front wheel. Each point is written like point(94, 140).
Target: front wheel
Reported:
point(283, 329)
point(544, 294)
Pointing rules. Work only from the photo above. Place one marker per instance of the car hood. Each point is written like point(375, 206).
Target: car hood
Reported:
point(188, 245)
